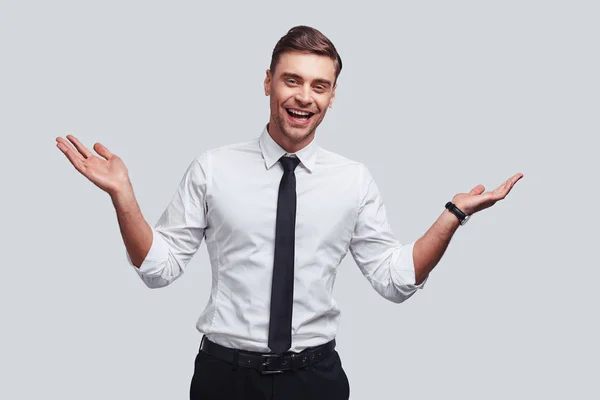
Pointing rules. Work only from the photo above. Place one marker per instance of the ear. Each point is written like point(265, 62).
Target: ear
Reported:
point(332, 96)
point(268, 83)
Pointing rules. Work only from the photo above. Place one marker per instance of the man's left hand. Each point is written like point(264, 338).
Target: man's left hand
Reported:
point(477, 200)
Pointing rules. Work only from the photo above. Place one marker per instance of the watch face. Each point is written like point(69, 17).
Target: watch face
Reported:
point(464, 221)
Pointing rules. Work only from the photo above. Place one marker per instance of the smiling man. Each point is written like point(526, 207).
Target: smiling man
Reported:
point(301, 86)
point(278, 214)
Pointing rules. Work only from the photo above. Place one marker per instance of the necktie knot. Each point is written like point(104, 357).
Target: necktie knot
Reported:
point(289, 163)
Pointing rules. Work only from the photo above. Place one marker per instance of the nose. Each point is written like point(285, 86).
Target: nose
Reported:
point(303, 95)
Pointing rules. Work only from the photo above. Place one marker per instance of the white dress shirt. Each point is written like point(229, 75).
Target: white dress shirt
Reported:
point(229, 195)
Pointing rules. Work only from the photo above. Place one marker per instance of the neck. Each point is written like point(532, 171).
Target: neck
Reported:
point(285, 142)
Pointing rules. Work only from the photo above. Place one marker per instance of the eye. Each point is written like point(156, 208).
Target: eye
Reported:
point(291, 81)
point(320, 88)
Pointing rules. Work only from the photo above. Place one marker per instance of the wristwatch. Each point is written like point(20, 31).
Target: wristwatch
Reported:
point(462, 217)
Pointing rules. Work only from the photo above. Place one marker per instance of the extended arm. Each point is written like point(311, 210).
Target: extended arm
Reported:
point(428, 249)
point(136, 233)
point(162, 253)
point(158, 254)
point(110, 174)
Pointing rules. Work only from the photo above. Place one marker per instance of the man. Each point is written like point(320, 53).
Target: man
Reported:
point(278, 214)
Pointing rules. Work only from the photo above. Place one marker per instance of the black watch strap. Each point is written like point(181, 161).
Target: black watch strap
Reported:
point(462, 217)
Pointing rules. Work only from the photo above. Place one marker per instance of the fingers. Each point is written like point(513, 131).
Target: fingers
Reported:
point(74, 157)
point(80, 147)
point(68, 149)
point(516, 177)
point(499, 193)
point(477, 189)
point(503, 190)
point(103, 151)
point(508, 185)
point(79, 150)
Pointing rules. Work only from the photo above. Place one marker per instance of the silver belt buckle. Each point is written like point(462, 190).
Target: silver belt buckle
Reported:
point(265, 364)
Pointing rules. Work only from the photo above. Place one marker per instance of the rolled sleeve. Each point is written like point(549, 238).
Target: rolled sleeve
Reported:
point(387, 264)
point(404, 272)
point(180, 229)
point(155, 259)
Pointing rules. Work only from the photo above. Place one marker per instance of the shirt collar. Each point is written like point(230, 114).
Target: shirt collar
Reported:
point(272, 152)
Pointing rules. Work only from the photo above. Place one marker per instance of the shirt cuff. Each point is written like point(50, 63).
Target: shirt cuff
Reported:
point(156, 258)
point(406, 268)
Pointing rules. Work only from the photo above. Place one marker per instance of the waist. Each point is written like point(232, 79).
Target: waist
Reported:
point(268, 362)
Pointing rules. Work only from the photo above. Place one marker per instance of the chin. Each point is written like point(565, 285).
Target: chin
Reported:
point(296, 134)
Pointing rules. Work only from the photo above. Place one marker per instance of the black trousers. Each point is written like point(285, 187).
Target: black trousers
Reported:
point(214, 379)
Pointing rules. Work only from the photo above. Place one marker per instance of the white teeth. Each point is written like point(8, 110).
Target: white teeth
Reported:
point(300, 113)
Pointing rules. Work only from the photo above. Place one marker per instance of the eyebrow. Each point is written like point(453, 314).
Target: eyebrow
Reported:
point(296, 76)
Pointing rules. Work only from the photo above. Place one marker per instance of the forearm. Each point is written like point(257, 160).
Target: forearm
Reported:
point(429, 249)
point(136, 233)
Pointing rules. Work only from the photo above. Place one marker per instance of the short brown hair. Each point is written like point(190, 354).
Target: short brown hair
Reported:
point(305, 38)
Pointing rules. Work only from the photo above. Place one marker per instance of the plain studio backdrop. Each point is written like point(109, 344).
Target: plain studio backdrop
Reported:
point(434, 97)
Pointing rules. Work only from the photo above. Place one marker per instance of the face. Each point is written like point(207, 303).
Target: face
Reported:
point(301, 89)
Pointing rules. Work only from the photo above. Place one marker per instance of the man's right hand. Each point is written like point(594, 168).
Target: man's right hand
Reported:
point(109, 173)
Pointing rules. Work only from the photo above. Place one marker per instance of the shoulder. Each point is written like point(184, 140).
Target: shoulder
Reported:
point(329, 159)
point(228, 153)
point(233, 148)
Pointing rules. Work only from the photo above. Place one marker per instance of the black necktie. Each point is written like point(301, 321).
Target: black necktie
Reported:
point(282, 288)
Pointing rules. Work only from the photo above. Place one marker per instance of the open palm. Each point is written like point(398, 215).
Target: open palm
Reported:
point(109, 173)
point(477, 200)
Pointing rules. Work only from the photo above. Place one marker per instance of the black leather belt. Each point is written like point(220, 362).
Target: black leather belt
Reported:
point(267, 363)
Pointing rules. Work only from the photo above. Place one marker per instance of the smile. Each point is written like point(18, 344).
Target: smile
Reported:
point(299, 114)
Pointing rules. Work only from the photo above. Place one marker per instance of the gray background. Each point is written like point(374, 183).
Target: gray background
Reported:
point(435, 97)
